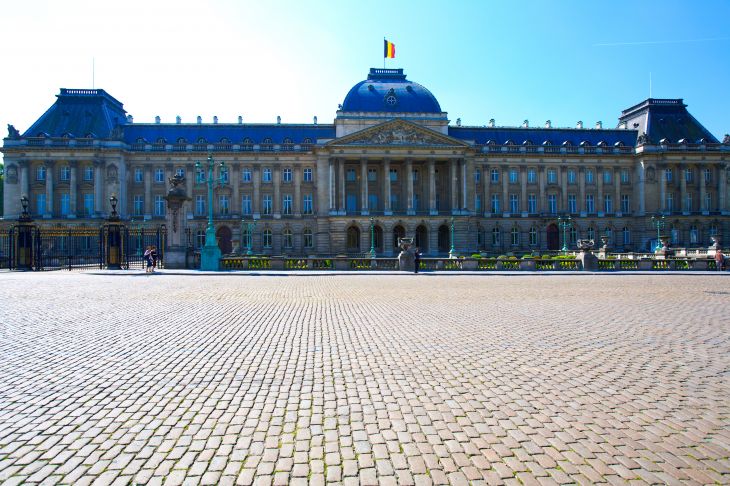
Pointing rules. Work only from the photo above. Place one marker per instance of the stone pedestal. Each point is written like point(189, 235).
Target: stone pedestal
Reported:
point(175, 257)
point(589, 261)
point(406, 261)
point(210, 257)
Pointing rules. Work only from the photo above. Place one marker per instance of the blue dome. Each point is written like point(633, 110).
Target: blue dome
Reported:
point(388, 90)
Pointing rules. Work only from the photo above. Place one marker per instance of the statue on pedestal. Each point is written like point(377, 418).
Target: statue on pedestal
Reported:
point(406, 258)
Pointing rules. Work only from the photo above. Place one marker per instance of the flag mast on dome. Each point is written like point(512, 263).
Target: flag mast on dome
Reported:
point(388, 50)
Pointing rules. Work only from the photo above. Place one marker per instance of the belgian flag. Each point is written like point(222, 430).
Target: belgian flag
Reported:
point(388, 50)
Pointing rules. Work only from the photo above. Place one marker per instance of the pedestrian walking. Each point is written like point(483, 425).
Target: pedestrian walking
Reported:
point(154, 256)
point(416, 260)
point(719, 260)
point(148, 259)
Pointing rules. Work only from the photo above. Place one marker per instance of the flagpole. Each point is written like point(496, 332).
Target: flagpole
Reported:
point(383, 52)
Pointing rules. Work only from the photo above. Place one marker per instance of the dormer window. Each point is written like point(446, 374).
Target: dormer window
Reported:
point(141, 140)
point(307, 144)
point(287, 144)
point(247, 144)
point(182, 140)
point(202, 140)
point(161, 140)
point(267, 144)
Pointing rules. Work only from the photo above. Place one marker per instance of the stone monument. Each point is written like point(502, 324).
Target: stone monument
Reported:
point(588, 260)
point(406, 258)
point(176, 196)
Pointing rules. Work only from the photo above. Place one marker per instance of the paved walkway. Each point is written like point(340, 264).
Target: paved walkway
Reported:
point(181, 378)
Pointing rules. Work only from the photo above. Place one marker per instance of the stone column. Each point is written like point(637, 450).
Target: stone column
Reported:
point(343, 195)
point(235, 181)
point(681, 172)
point(148, 192)
point(256, 202)
point(98, 189)
point(486, 183)
point(453, 176)
point(542, 202)
point(49, 189)
point(325, 174)
point(523, 189)
point(599, 191)
point(189, 180)
point(409, 186)
point(24, 179)
point(722, 187)
point(564, 188)
point(277, 191)
point(581, 191)
point(11, 192)
point(617, 191)
point(662, 188)
point(297, 203)
point(432, 187)
point(386, 189)
point(641, 189)
point(364, 187)
point(469, 185)
point(123, 205)
point(73, 188)
point(505, 191)
point(703, 188)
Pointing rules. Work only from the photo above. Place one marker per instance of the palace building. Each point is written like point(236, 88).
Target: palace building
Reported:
point(391, 164)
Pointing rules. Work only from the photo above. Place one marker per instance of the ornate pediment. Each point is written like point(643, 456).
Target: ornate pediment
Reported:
point(398, 133)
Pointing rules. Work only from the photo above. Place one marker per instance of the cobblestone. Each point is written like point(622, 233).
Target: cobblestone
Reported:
point(108, 378)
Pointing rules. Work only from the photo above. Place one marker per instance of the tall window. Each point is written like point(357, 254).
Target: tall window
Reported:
point(495, 203)
point(571, 176)
point(477, 202)
point(694, 235)
point(477, 176)
point(531, 176)
point(394, 202)
point(308, 174)
point(40, 204)
point(159, 175)
point(625, 204)
point(533, 236)
point(393, 175)
point(415, 175)
point(223, 174)
point(708, 201)
point(626, 236)
point(514, 204)
point(88, 173)
point(513, 176)
point(199, 205)
point(65, 204)
point(286, 174)
point(708, 175)
point(288, 238)
point(286, 206)
point(515, 236)
point(246, 204)
point(494, 176)
point(246, 174)
point(351, 203)
point(669, 202)
point(553, 203)
point(199, 176)
point(372, 202)
point(267, 238)
point(65, 173)
point(591, 233)
point(89, 205)
point(40, 173)
point(590, 207)
point(589, 176)
point(572, 206)
point(266, 174)
point(223, 205)
point(607, 175)
point(307, 207)
point(668, 174)
point(552, 176)
point(159, 205)
point(267, 206)
point(350, 175)
point(308, 238)
point(688, 202)
point(372, 175)
point(138, 205)
point(607, 204)
point(180, 172)
point(416, 202)
point(495, 237)
point(625, 176)
point(573, 235)
point(688, 174)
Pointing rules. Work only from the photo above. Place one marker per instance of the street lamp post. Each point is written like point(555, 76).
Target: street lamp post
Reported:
point(658, 222)
point(250, 228)
point(210, 255)
point(452, 250)
point(372, 238)
point(565, 223)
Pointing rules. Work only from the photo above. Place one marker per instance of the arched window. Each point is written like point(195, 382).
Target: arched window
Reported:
point(161, 140)
point(378, 233)
point(444, 236)
point(287, 144)
point(267, 238)
point(353, 239)
point(533, 236)
point(422, 238)
point(398, 233)
point(308, 238)
point(182, 140)
point(515, 236)
point(267, 144)
point(247, 144)
point(307, 144)
point(202, 140)
point(496, 239)
point(288, 238)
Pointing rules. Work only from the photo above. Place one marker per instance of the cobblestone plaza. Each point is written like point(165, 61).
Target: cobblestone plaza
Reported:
point(364, 379)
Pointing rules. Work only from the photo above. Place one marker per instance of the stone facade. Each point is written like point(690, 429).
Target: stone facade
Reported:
point(317, 189)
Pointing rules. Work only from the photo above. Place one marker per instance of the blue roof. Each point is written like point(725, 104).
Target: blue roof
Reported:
point(666, 119)
point(538, 136)
point(388, 90)
point(214, 133)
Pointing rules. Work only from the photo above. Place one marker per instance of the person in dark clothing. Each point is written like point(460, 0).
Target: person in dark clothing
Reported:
point(154, 257)
point(416, 260)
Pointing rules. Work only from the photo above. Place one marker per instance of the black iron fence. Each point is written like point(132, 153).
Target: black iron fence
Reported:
point(39, 248)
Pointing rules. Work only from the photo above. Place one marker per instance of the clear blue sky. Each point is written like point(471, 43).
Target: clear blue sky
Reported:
point(537, 60)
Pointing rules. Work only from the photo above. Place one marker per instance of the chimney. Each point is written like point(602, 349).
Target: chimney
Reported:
point(178, 120)
point(240, 120)
point(215, 120)
point(579, 124)
point(315, 119)
point(458, 122)
point(599, 125)
point(548, 124)
point(491, 123)
point(278, 120)
point(130, 119)
point(200, 119)
point(157, 120)
point(526, 124)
